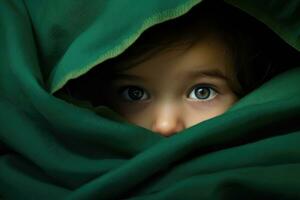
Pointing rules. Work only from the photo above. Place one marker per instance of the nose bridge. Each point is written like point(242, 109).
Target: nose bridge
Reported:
point(167, 118)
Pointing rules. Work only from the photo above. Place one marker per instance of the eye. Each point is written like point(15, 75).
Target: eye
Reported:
point(203, 93)
point(133, 93)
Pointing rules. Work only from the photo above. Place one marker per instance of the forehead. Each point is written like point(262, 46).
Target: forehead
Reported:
point(209, 53)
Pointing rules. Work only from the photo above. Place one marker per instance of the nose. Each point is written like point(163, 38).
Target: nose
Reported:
point(167, 122)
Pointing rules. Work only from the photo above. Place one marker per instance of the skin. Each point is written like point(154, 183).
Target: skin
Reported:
point(177, 88)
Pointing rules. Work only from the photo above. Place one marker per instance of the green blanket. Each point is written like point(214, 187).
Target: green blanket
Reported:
point(53, 149)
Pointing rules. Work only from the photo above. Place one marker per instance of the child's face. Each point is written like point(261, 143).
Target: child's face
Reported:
point(176, 89)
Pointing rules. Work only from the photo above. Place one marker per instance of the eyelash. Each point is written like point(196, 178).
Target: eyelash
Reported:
point(122, 89)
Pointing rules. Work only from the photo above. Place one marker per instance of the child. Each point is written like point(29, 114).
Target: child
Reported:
point(184, 71)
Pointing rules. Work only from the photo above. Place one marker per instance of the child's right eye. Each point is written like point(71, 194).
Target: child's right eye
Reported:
point(133, 93)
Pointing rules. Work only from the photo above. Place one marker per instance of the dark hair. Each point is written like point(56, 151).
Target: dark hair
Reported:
point(254, 48)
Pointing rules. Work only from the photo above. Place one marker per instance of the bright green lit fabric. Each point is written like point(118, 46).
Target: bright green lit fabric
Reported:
point(51, 149)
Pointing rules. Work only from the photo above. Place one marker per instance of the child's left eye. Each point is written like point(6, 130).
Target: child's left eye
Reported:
point(203, 93)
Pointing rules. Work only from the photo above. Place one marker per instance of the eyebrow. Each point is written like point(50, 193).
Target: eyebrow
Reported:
point(213, 73)
point(119, 76)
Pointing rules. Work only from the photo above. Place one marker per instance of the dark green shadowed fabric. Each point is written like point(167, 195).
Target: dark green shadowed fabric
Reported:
point(52, 149)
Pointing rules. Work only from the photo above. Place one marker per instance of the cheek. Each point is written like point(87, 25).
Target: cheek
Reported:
point(219, 104)
point(130, 109)
point(137, 114)
point(197, 112)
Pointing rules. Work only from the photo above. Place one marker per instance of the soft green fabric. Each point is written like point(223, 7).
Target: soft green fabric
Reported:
point(52, 149)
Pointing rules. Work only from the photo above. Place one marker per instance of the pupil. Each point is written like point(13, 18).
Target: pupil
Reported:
point(202, 93)
point(135, 93)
